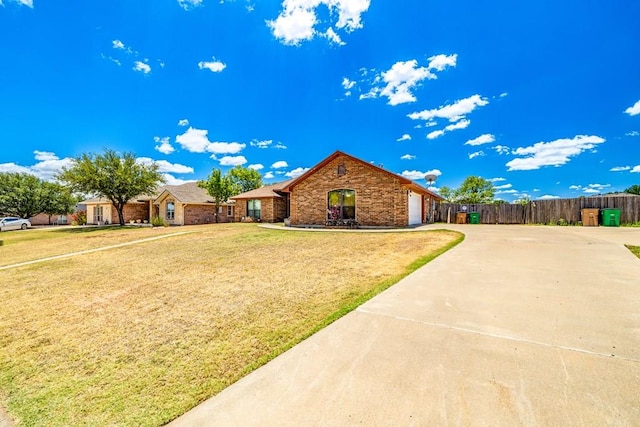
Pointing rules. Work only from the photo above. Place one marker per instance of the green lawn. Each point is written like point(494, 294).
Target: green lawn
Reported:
point(140, 334)
point(634, 249)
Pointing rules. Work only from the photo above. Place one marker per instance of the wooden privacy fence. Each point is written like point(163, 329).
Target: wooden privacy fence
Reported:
point(543, 211)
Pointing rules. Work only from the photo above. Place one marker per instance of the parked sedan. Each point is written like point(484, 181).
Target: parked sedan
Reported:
point(13, 223)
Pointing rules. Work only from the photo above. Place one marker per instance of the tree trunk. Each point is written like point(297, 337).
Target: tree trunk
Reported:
point(120, 209)
point(216, 213)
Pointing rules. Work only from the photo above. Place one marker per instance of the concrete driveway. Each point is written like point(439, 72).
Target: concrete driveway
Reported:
point(518, 325)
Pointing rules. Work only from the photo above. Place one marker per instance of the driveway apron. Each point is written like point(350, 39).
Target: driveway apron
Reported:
point(517, 325)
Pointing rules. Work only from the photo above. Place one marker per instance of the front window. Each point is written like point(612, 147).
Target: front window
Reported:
point(171, 211)
point(229, 210)
point(341, 204)
point(98, 215)
point(253, 209)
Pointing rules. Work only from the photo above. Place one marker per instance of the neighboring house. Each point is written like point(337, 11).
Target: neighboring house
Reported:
point(188, 204)
point(268, 203)
point(46, 219)
point(345, 187)
point(101, 211)
point(183, 204)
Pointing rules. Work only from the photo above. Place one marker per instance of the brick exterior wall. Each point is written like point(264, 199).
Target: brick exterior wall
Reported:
point(381, 198)
point(205, 214)
point(272, 209)
point(131, 211)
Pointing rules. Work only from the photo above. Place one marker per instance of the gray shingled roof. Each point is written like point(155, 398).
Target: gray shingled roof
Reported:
point(264, 192)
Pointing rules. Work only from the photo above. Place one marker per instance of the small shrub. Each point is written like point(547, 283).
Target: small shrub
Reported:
point(562, 222)
point(79, 218)
point(156, 221)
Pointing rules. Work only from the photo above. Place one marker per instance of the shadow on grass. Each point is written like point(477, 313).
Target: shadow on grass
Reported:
point(90, 229)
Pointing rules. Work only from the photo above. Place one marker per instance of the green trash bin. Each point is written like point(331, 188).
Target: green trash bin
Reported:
point(611, 217)
point(474, 217)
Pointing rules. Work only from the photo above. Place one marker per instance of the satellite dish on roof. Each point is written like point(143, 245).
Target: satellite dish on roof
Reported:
point(431, 178)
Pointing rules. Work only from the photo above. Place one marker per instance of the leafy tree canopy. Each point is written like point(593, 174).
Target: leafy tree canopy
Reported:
point(634, 189)
point(26, 195)
point(474, 189)
point(244, 179)
point(118, 178)
point(220, 187)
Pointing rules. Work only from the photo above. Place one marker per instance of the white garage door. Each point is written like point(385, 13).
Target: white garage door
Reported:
point(415, 208)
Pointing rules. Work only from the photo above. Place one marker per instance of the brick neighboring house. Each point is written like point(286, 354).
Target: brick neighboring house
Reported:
point(184, 204)
point(344, 186)
point(268, 203)
point(188, 204)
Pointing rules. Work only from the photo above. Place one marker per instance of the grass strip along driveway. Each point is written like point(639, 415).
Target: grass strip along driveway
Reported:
point(139, 334)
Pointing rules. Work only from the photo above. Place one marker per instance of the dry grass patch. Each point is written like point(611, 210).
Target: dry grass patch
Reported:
point(140, 334)
point(28, 245)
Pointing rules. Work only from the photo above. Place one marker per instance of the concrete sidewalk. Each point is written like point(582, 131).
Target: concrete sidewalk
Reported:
point(515, 326)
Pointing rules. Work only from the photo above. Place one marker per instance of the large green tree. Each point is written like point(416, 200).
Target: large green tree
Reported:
point(220, 187)
point(118, 178)
point(58, 199)
point(634, 189)
point(474, 189)
point(21, 194)
point(244, 179)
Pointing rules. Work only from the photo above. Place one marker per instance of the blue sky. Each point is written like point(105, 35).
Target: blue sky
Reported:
point(541, 97)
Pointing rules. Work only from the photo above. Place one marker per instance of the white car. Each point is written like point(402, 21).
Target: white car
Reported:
point(14, 223)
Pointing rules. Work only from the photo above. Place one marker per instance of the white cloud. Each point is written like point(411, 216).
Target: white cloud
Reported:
point(452, 112)
point(43, 156)
point(591, 191)
point(172, 180)
point(196, 141)
point(261, 144)
point(634, 110)
point(47, 166)
point(183, 122)
point(620, 168)
point(233, 161)
point(633, 133)
point(502, 149)
point(296, 172)
point(269, 175)
point(548, 197)
point(497, 179)
point(575, 187)
point(476, 154)
point(164, 146)
point(214, 66)
point(440, 62)
point(256, 167)
point(279, 165)
point(487, 138)
point(165, 166)
point(636, 169)
point(554, 153)
point(511, 191)
point(405, 137)
point(28, 3)
point(297, 20)
point(401, 78)
point(14, 168)
point(348, 84)
point(225, 147)
point(503, 94)
point(418, 175)
point(117, 44)
point(502, 187)
point(462, 124)
point(333, 37)
point(435, 134)
point(599, 186)
point(189, 4)
point(142, 67)
point(408, 157)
